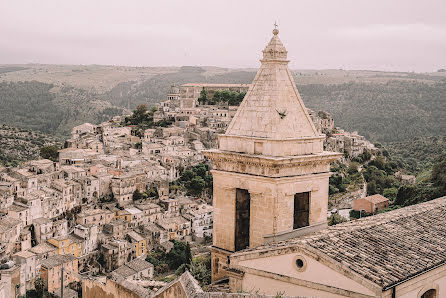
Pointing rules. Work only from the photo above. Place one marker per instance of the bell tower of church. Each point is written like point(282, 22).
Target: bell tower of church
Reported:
point(270, 171)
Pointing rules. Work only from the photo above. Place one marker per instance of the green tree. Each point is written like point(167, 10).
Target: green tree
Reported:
point(141, 109)
point(50, 152)
point(153, 109)
point(335, 219)
point(438, 175)
point(203, 97)
point(39, 285)
point(353, 168)
point(196, 185)
point(390, 193)
point(137, 195)
point(200, 268)
point(405, 193)
point(188, 253)
point(177, 255)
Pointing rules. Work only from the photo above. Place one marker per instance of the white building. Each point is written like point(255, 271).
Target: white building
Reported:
point(201, 219)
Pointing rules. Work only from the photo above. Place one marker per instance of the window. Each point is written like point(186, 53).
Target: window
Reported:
point(432, 293)
point(300, 263)
point(242, 218)
point(301, 210)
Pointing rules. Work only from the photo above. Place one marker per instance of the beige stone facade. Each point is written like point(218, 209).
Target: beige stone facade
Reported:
point(270, 171)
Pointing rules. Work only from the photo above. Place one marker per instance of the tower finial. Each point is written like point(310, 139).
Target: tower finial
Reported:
point(275, 31)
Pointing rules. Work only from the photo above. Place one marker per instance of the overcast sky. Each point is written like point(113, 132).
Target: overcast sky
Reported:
point(402, 35)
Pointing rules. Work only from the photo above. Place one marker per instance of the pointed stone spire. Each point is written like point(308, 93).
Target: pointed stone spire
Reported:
point(275, 50)
point(272, 108)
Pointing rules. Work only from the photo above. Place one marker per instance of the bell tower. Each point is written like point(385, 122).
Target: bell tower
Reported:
point(270, 171)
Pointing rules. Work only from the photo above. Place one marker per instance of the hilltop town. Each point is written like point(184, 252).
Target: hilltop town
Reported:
point(118, 191)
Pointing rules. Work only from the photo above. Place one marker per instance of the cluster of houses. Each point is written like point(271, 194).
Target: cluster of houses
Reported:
point(80, 212)
point(207, 121)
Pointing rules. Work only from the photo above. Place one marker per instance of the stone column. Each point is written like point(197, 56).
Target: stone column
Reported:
point(261, 217)
point(285, 212)
point(224, 217)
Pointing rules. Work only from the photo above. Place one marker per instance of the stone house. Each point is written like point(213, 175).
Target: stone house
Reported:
point(155, 235)
point(60, 228)
point(43, 250)
point(68, 245)
point(84, 129)
point(65, 190)
point(138, 242)
point(28, 262)
point(11, 281)
point(34, 203)
point(73, 172)
point(123, 186)
point(371, 204)
point(134, 216)
point(201, 218)
point(135, 270)
point(9, 234)
point(153, 148)
point(405, 179)
point(152, 212)
point(51, 271)
point(98, 217)
point(116, 229)
point(42, 166)
point(177, 227)
point(171, 206)
point(90, 187)
point(116, 253)
point(21, 212)
point(28, 180)
point(43, 229)
point(104, 183)
point(89, 235)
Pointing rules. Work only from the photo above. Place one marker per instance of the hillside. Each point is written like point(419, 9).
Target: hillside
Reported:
point(383, 106)
point(18, 145)
point(419, 154)
point(386, 112)
point(51, 109)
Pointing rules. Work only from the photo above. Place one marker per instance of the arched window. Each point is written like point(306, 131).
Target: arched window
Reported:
point(432, 293)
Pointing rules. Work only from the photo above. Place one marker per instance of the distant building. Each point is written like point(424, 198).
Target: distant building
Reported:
point(371, 204)
point(51, 271)
point(405, 179)
point(135, 269)
point(201, 218)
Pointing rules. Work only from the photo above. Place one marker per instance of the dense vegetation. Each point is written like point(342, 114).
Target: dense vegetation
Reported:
point(344, 177)
point(392, 111)
point(389, 108)
point(379, 174)
point(142, 118)
point(195, 180)
point(50, 109)
point(419, 154)
point(18, 145)
point(231, 98)
point(179, 259)
point(29, 105)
